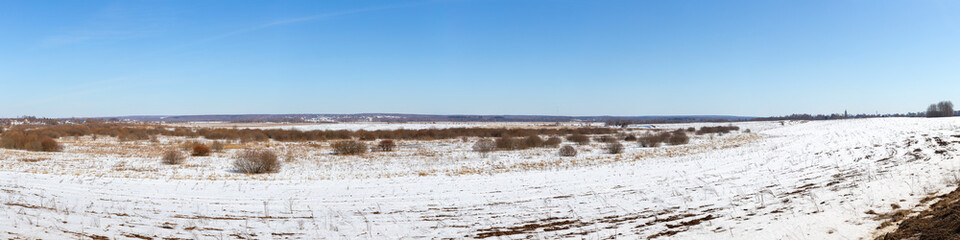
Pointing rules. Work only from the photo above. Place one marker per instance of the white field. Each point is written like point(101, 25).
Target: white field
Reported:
point(803, 180)
point(373, 126)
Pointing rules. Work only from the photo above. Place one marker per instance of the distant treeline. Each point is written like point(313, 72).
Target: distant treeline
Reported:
point(834, 116)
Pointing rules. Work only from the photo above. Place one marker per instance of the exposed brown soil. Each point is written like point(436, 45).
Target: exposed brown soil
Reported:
point(941, 221)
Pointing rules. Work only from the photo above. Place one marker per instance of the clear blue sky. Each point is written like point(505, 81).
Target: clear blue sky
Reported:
point(755, 58)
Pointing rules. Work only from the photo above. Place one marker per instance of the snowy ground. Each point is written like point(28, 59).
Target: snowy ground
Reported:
point(801, 180)
point(373, 126)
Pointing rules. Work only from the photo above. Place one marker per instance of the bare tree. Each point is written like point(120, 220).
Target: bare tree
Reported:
point(946, 108)
point(932, 111)
point(941, 109)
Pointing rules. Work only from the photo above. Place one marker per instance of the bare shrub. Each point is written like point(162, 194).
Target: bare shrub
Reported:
point(717, 129)
point(50, 145)
point(188, 145)
point(645, 142)
point(201, 150)
point(484, 146)
point(15, 139)
point(614, 148)
point(552, 142)
point(630, 138)
point(507, 143)
point(567, 151)
point(217, 146)
point(579, 139)
point(257, 161)
point(678, 138)
point(349, 147)
point(386, 145)
point(532, 141)
point(173, 157)
point(125, 136)
point(653, 140)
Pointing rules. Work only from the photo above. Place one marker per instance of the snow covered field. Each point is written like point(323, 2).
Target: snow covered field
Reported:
point(799, 180)
point(373, 126)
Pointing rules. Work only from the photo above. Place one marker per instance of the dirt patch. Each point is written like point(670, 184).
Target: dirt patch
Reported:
point(546, 225)
point(138, 236)
point(941, 221)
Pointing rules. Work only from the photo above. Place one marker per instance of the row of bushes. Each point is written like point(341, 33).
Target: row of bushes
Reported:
point(28, 141)
point(678, 137)
point(511, 143)
point(144, 131)
point(717, 129)
point(248, 161)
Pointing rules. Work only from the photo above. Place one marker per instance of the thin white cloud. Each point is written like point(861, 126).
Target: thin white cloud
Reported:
point(289, 21)
point(116, 21)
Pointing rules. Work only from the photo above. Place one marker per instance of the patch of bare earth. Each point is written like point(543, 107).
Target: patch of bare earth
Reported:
point(940, 221)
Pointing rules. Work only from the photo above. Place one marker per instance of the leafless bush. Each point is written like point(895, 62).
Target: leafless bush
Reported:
point(188, 145)
point(507, 143)
point(630, 138)
point(50, 145)
point(484, 146)
point(386, 145)
point(717, 129)
point(173, 157)
point(614, 148)
point(257, 161)
point(553, 142)
point(653, 140)
point(14, 139)
point(349, 147)
point(124, 136)
point(567, 151)
point(678, 138)
point(217, 146)
point(201, 150)
point(579, 139)
point(532, 141)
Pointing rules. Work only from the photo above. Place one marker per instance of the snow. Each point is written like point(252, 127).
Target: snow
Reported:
point(799, 180)
point(373, 126)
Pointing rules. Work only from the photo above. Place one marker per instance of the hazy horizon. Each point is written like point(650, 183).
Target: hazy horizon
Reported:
point(565, 58)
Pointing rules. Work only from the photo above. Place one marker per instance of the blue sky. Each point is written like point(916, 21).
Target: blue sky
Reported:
point(753, 58)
